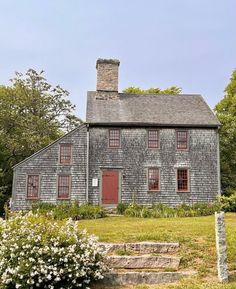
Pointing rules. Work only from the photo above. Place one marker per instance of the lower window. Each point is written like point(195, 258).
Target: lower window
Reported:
point(182, 180)
point(33, 187)
point(64, 186)
point(153, 179)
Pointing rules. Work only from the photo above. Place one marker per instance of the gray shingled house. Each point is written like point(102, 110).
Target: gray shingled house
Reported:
point(132, 147)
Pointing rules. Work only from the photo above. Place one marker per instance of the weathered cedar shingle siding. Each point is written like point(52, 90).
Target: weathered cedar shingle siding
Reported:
point(46, 164)
point(134, 158)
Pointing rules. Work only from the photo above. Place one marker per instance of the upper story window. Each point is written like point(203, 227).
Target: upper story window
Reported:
point(153, 138)
point(33, 186)
point(182, 180)
point(153, 179)
point(64, 186)
point(65, 154)
point(114, 138)
point(182, 139)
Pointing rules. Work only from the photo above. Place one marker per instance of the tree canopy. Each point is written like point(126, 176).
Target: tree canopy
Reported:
point(137, 90)
point(226, 113)
point(33, 114)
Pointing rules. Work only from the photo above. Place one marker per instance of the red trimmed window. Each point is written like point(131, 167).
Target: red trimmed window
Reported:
point(114, 138)
point(65, 154)
point(153, 138)
point(33, 186)
point(64, 185)
point(182, 139)
point(153, 179)
point(182, 180)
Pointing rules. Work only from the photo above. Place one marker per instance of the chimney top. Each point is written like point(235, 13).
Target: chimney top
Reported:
point(107, 61)
point(107, 75)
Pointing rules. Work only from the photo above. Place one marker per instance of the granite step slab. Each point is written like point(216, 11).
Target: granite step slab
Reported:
point(143, 262)
point(141, 247)
point(124, 278)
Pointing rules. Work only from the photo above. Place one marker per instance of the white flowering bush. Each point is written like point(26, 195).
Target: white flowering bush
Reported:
point(38, 252)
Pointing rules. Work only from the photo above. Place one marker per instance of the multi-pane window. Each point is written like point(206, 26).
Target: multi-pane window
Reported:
point(153, 179)
point(114, 138)
point(182, 180)
point(33, 186)
point(64, 185)
point(153, 138)
point(182, 139)
point(65, 154)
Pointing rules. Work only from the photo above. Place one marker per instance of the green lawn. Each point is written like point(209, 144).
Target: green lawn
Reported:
point(195, 235)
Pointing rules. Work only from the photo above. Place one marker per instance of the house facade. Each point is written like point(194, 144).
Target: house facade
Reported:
point(132, 148)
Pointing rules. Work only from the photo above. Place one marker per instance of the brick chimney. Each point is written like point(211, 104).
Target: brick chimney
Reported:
point(107, 75)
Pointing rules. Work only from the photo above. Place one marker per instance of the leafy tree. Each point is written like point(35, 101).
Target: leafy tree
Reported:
point(33, 114)
point(226, 113)
point(137, 90)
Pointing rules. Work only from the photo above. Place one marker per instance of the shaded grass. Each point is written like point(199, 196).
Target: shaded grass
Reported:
point(196, 236)
point(193, 283)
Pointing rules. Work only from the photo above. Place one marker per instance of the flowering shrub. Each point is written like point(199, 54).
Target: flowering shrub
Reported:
point(38, 252)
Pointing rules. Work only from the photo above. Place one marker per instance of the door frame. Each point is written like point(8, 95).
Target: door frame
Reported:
point(119, 183)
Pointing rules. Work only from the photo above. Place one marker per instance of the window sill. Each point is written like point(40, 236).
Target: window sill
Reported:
point(32, 199)
point(63, 198)
point(182, 150)
point(150, 148)
point(153, 191)
point(183, 191)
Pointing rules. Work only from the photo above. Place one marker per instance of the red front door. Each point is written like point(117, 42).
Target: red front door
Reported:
point(110, 187)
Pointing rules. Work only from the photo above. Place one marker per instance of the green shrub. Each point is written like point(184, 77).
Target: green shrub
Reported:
point(65, 210)
point(228, 203)
point(164, 211)
point(121, 207)
point(38, 252)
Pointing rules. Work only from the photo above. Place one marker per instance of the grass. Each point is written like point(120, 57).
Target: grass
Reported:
point(196, 236)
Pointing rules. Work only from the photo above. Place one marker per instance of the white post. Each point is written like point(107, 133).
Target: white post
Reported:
point(221, 247)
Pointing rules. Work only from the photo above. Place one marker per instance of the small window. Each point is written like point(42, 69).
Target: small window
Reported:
point(153, 138)
point(64, 185)
point(153, 179)
point(114, 138)
point(182, 180)
point(182, 139)
point(65, 154)
point(33, 187)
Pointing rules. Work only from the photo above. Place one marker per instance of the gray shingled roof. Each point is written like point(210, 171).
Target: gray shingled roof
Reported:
point(150, 109)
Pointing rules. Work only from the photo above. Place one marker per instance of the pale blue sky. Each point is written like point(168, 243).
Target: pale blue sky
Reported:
point(160, 43)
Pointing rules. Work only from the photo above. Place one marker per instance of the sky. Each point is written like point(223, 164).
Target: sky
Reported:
point(160, 43)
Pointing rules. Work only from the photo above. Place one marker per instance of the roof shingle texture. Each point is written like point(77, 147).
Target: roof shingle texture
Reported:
point(150, 109)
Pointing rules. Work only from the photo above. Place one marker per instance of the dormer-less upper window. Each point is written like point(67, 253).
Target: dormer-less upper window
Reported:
point(32, 186)
point(182, 139)
point(65, 154)
point(153, 138)
point(114, 138)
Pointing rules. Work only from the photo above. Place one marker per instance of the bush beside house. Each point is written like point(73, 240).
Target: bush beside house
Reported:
point(164, 211)
point(66, 210)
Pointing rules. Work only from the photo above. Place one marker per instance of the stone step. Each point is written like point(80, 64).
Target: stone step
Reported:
point(141, 262)
point(141, 247)
point(124, 278)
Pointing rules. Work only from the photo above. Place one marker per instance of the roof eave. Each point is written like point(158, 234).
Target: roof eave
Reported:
point(137, 124)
